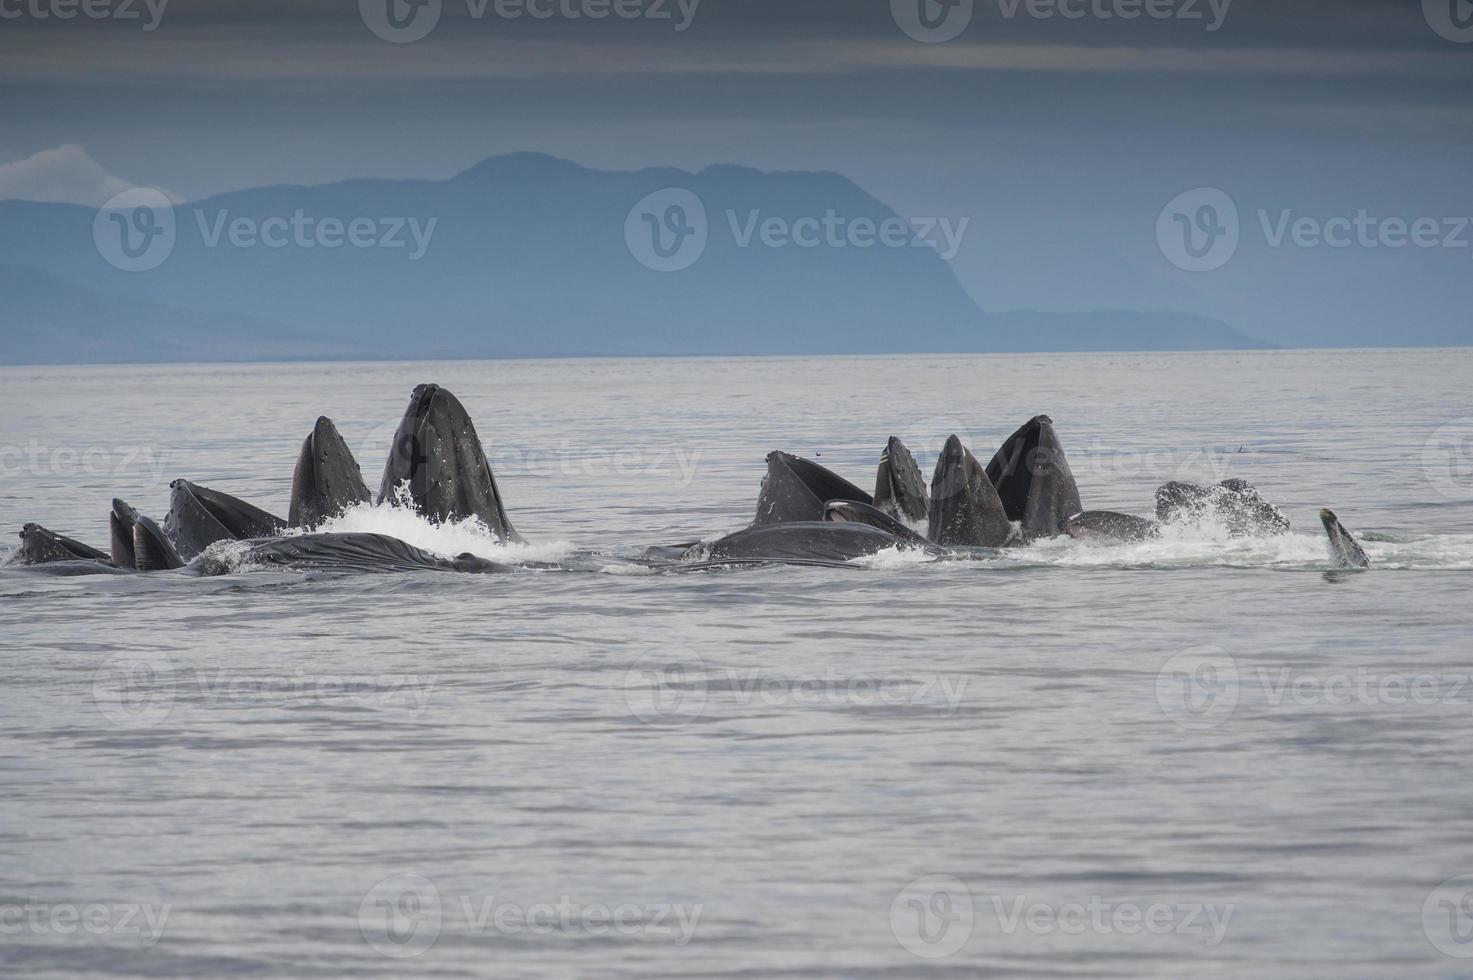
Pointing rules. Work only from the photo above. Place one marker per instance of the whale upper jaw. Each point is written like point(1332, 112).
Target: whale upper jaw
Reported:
point(965, 508)
point(438, 456)
point(327, 480)
point(1345, 551)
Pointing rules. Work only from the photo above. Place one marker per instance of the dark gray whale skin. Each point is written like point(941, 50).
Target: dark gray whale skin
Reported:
point(1105, 525)
point(1033, 479)
point(1236, 503)
point(327, 480)
point(42, 546)
point(853, 512)
point(900, 490)
point(796, 489)
point(1345, 551)
point(965, 508)
point(437, 453)
point(199, 516)
point(152, 549)
point(355, 552)
point(798, 542)
point(120, 523)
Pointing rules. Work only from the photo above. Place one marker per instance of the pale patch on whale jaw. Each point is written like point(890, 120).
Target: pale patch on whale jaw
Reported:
point(900, 489)
point(854, 512)
point(1345, 551)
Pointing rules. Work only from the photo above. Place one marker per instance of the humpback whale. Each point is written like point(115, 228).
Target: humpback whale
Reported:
point(854, 512)
point(1033, 479)
point(120, 522)
point(42, 546)
point(798, 542)
point(796, 489)
point(1236, 503)
point(1345, 551)
point(152, 549)
point(355, 552)
point(965, 508)
point(900, 490)
point(1105, 525)
point(327, 480)
point(199, 516)
point(438, 455)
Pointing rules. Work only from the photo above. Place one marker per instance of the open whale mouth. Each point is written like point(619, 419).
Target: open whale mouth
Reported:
point(796, 489)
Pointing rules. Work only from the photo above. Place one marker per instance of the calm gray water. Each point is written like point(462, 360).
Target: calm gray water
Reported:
point(1192, 756)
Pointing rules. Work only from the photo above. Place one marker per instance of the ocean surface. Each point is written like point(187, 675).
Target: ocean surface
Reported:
point(1197, 756)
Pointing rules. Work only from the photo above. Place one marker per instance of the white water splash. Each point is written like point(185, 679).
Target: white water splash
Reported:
point(1208, 543)
point(449, 540)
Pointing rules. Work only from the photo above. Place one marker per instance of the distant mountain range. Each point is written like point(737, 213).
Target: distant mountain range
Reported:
point(522, 255)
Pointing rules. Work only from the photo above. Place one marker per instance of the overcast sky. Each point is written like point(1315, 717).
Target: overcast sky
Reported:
point(1061, 129)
